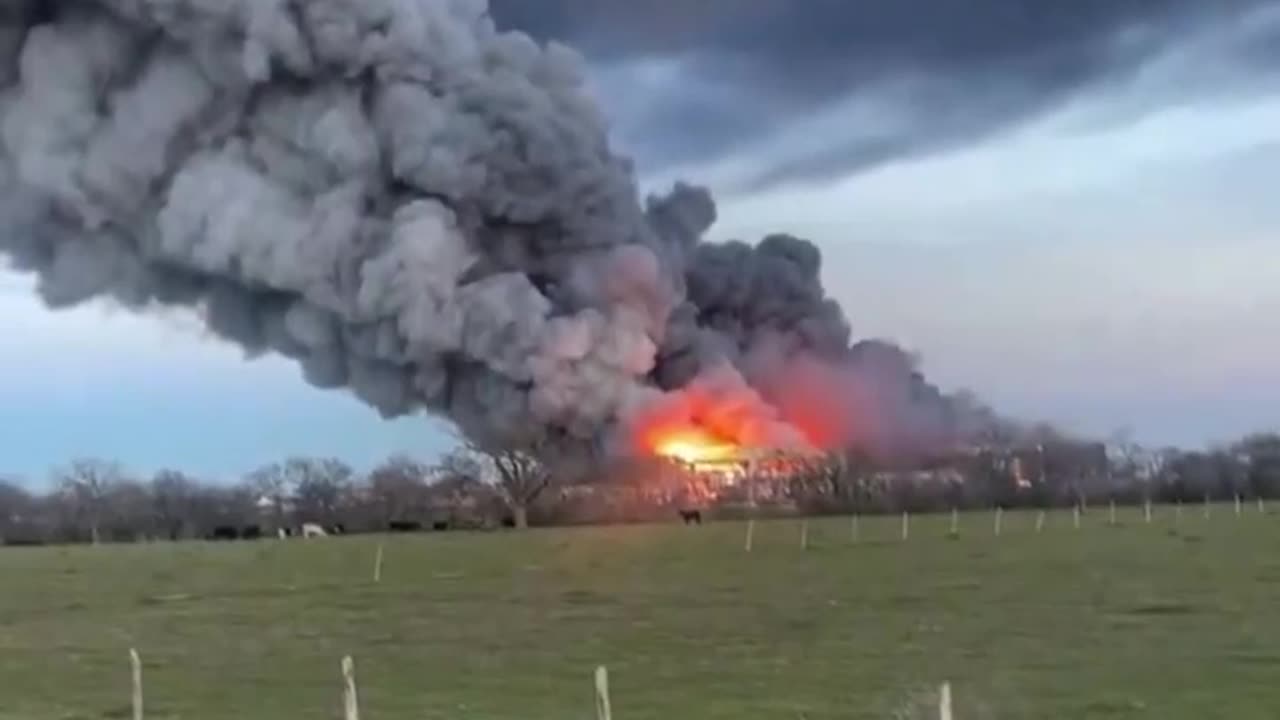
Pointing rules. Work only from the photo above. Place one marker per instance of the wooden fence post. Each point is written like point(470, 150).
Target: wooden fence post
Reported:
point(751, 531)
point(350, 700)
point(135, 665)
point(604, 710)
point(804, 534)
point(944, 702)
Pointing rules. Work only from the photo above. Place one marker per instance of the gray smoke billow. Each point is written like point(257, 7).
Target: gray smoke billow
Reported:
point(411, 205)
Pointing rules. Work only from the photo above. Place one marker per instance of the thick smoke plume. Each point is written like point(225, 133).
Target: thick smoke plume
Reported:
point(419, 208)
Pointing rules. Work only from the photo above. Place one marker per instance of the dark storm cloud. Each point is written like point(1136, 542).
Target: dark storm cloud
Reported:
point(978, 65)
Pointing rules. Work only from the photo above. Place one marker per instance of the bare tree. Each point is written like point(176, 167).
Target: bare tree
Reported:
point(214, 505)
point(271, 483)
point(320, 487)
point(1129, 466)
point(85, 484)
point(16, 509)
point(461, 492)
point(1260, 454)
point(397, 488)
point(173, 496)
point(462, 465)
point(128, 512)
point(520, 470)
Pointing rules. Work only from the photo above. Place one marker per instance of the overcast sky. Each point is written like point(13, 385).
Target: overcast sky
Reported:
point(1065, 207)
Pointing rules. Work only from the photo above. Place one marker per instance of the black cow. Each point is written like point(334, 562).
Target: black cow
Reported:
point(691, 517)
point(251, 532)
point(508, 521)
point(224, 532)
point(440, 525)
point(404, 526)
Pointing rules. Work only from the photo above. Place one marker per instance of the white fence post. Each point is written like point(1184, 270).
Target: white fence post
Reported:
point(1040, 521)
point(751, 531)
point(804, 534)
point(1075, 515)
point(944, 702)
point(377, 565)
point(135, 664)
point(350, 700)
point(604, 710)
point(1207, 506)
point(1111, 520)
point(853, 528)
point(1239, 505)
point(906, 526)
point(955, 522)
point(999, 519)
point(1146, 511)
point(1177, 512)
point(1262, 508)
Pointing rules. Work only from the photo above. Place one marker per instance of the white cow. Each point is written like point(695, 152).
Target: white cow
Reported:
point(310, 530)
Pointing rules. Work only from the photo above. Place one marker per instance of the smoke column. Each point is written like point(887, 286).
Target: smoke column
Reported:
point(419, 208)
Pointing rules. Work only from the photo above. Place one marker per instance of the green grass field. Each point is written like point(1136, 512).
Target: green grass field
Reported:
point(1135, 621)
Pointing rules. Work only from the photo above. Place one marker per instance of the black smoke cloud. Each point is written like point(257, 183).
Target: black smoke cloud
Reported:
point(959, 69)
point(413, 206)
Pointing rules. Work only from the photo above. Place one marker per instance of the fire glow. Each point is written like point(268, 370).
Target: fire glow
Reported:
point(721, 428)
point(693, 446)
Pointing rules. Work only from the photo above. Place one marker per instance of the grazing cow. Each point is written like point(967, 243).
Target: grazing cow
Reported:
point(691, 517)
point(403, 526)
point(251, 532)
point(310, 530)
point(440, 525)
point(224, 532)
point(282, 533)
point(508, 521)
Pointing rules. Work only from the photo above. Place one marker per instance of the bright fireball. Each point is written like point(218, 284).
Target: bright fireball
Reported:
point(692, 445)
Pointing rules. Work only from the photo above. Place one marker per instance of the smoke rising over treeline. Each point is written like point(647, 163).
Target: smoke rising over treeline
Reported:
point(423, 210)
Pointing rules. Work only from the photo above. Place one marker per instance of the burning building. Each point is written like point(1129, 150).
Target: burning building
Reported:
point(716, 470)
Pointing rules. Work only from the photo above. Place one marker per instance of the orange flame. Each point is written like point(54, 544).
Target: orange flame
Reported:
point(716, 423)
point(691, 445)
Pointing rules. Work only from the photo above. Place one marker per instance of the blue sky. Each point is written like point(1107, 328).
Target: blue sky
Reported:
point(1107, 260)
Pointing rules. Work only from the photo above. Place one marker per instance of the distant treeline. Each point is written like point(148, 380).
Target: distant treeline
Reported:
point(477, 488)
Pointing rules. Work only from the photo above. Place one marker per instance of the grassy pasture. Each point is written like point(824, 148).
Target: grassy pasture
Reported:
point(1133, 621)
